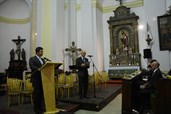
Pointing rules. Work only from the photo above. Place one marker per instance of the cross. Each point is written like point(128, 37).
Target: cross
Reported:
point(18, 43)
point(121, 1)
point(73, 49)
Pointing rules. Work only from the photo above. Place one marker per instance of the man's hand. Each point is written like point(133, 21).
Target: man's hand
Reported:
point(82, 65)
point(143, 86)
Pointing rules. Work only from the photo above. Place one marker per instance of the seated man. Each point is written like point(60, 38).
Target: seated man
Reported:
point(144, 95)
point(143, 77)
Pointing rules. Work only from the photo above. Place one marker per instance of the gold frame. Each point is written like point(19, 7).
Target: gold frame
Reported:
point(125, 21)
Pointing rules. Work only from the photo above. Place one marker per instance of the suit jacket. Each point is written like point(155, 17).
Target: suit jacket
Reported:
point(35, 64)
point(82, 71)
point(169, 73)
point(147, 73)
point(154, 78)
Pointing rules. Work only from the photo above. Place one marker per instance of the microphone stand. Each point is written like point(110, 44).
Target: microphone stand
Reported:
point(94, 67)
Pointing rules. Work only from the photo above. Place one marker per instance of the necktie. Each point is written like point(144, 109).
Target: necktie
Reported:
point(40, 60)
point(84, 59)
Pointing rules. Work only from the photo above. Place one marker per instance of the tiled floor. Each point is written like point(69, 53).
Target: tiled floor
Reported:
point(114, 107)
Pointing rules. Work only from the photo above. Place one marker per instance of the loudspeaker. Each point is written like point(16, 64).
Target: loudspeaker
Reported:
point(147, 53)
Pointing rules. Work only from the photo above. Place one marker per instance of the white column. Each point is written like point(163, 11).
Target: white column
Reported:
point(70, 31)
point(50, 28)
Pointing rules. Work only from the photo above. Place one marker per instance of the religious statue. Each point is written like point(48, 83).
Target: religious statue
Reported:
point(73, 49)
point(18, 43)
point(12, 55)
point(130, 56)
point(124, 41)
point(23, 55)
point(130, 51)
point(117, 51)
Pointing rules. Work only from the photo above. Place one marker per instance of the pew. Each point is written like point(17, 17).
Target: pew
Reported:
point(161, 101)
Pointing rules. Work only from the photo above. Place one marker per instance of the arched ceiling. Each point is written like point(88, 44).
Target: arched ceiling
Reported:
point(27, 1)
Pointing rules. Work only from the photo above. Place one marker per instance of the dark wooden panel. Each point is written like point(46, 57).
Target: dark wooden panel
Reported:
point(161, 101)
point(129, 88)
point(163, 97)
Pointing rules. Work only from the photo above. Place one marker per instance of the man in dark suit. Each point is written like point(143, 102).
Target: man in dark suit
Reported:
point(35, 64)
point(169, 73)
point(143, 77)
point(83, 65)
point(149, 88)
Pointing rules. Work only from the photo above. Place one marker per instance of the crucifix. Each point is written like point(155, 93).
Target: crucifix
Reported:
point(18, 43)
point(73, 49)
point(121, 2)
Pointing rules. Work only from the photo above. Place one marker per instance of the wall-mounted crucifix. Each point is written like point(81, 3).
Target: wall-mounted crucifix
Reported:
point(18, 43)
point(121, 2)
point(73, 49)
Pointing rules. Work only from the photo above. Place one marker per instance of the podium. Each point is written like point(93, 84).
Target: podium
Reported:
point(48, 83)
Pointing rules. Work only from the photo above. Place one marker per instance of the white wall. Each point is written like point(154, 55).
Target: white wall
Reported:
point(90, 33)
point(70, 30)
point(13, 9)
point(88, 27)
point(147, 13)
point(151, 12)
point(87, 38)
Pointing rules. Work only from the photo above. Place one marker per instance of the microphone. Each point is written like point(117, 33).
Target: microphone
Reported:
point(46, 59)
point(90, 55)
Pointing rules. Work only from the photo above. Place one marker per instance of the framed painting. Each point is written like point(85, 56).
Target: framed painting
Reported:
point(164, 30)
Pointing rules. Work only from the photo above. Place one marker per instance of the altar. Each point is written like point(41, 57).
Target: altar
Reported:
point(120, 71)
point(124, 57)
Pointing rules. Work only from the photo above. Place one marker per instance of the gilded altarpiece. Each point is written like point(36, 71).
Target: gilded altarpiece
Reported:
point(124, 48)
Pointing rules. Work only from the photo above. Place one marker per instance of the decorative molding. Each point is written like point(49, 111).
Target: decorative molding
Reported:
point(107, 9)
point(99, 6)
point(93, 3)
point(78, 7)
point(136, 3)
point(65, 6)
point(96, 4)
point(14, 21)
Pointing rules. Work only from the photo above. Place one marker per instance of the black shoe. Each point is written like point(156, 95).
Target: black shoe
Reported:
point(86, 97)
point(43, 109)
point(38, 112)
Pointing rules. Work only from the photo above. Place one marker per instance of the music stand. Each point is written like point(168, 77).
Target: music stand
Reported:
point(94, 67)
point(73, 68)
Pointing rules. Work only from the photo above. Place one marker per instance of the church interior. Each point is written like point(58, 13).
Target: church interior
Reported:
point(120, 37)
